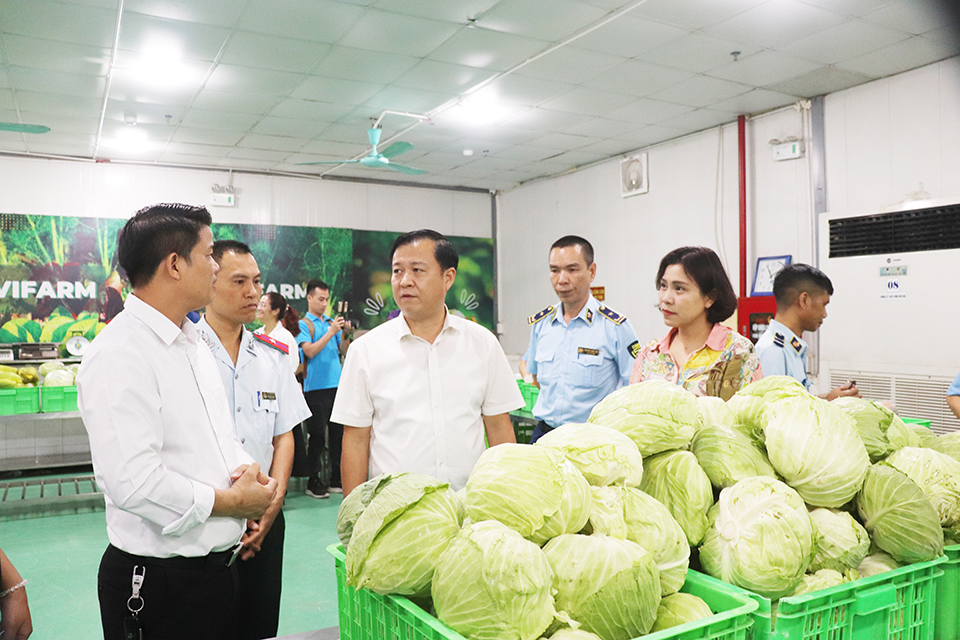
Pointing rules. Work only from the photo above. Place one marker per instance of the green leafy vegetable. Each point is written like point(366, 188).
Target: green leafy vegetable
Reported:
point(678, 609)
point(727, 455)
point(842, 544)
point(354, 504)
point(603, 455)
point(677, 481)
point(657, 415)
point(937, 475)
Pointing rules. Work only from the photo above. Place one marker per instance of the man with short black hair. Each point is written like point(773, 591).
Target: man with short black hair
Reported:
point(419, 392)
point(802, 293)
point(580, 350)
point(322, 339)
point(177, 484)
point(266, 404)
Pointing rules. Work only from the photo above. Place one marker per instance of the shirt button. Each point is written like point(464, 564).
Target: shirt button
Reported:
point(238, 409)
point(243, 441)
point(236, 376)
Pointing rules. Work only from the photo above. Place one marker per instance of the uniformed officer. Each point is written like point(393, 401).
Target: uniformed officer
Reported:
point(266, 403)
point(802, 293)
point(580, 350)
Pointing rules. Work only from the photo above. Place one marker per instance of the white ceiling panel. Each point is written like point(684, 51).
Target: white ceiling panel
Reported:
point(776, 23)
point(757, 101)
point(228, 77)
point(234, 102)
point(335, 150)
point(442, 77)
point(652, 134)
point(363, 66)
point(612, 147)
point(58, 103)
point(324, 112)
point(648, 111)
point(271, 52)
point(589, 101)
point(261, 141)
point(562, 141)
point(699, 120)
point(206, 136)
point(197, 150)
point(845, 41)
point(407, 99)
point(629, 36)
point(701, 91)
point(541, 119)
point(638, 78)
point(487, 49)
point(525, 90)
point(572, 64)
point(902, 56)
point(63, 148)
point(222, 13)
point(694, 14)
point(57, 56)
point(911, 16)
point(143, 112)
point(459, 11)
point(335, 90)
point(71, 84)
point(601, 128)
point(820, 82)
point(388, 32)
point(852, 8)
point(46, 20)
point(316, 20)
point(257, 154)
point(532, 18)
point(202, 119)
point(191, 40)
point(698, 53)
point(764, 68)
point(7, 102)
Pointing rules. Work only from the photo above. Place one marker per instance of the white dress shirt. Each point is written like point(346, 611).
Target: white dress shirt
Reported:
point(161, 435)
point(261, 389)
point(424, 401)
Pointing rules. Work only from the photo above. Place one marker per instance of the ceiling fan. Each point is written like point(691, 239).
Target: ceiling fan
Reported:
point(23, 128)
point(381, 159)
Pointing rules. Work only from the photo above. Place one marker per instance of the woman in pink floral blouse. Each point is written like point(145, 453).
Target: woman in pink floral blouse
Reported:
point(698, 353)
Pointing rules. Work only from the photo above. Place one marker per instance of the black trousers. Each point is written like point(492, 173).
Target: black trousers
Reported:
point(260, 580)
point(188, 599)
point(323, 464)
point(539, 431)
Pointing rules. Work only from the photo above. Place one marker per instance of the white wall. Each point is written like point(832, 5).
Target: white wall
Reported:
point(688, 204)
point(54, 187)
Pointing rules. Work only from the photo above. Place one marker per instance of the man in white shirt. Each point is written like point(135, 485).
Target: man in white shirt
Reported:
point(266, 403)
point(418, 392)
point(177, 484)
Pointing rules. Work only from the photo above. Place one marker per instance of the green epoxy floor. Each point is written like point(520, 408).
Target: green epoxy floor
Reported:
point(59, 555)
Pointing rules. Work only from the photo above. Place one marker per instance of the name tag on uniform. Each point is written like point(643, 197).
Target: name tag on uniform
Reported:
point(268, 395)
point(588, 352)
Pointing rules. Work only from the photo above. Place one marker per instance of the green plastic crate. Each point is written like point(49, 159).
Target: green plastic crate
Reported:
point(523, 432)
point(896, 605)
point(947, 625)
point(919, 421)
point(19, 401)
point(365, 615)
point(57, 399)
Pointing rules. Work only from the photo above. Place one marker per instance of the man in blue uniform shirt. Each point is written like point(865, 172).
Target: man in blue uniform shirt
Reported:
point(266, 403)
point(580, 350)
point(803, 293)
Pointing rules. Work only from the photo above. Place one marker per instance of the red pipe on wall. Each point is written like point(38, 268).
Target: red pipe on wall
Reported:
point(742, 153)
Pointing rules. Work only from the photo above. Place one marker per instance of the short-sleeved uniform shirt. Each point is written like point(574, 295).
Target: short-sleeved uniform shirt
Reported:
point(783, 353)
point(579, 363)
point(954, 389)
point(262, 392)
point(323, 369)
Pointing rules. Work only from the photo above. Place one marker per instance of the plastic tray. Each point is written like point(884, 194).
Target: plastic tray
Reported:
point(57, 399)
point(19, 401)
point(896, 605)
point(947, 625)
point(365, 615)
point(919, 421)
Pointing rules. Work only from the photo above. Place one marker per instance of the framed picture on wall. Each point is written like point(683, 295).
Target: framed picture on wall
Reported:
point(767, 269)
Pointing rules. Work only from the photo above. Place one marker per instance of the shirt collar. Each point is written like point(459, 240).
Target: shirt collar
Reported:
point(159, 323)
point(213, 340)
point(404, 330)
point(716, 341)
point(779, 327)
point(321, 317)
point(588, 313)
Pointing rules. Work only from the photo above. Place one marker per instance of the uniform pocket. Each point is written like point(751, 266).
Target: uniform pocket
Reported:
point(587, 370)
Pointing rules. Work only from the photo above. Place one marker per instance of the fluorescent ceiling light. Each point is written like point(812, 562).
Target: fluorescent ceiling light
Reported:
point(482, 108)
point(129, 140)
point(159, 65)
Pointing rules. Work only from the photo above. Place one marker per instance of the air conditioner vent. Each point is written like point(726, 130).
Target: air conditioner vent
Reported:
point(930, 229)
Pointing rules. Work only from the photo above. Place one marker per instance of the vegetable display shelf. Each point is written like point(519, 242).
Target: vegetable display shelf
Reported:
point(19, 401)
point(365, 615)
point(58, 399)
point(895, 605)
point(947, 626)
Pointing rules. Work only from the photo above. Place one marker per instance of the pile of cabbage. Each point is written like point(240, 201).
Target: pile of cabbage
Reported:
point(588, 534)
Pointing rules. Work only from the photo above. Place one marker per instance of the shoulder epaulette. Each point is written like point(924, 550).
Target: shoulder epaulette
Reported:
point(778, 340)
point(611, 315)
point(270, 342)
point(540, 315)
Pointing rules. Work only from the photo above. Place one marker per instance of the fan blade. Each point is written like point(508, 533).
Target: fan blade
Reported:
point(374, 135)
point(330, 162)
point(402, 169)
point(23, 128)
point(396, 149)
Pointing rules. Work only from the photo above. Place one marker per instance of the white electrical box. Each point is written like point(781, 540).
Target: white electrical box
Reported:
point(223, 200)
point(787, 151)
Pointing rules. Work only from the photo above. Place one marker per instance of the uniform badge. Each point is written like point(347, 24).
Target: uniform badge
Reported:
point(268, 395)
point(589, 316)
point(270, 342)
point(778, 339)
point(634, 348)
point(796, 344)
point(588, 351)
point(612, 315)
point(540, 315)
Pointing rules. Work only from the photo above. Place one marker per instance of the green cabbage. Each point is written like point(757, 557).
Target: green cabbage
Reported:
point(925, 437)
point(355, 503)
point(58, 378)
point(604, 456)
point(678, 609)
point(610, 586)
point(842, 544)
point(949, 444)
point(750, 403)
point(815, 448)
point(49, 366)
point(872, 420)
point(900, 435)
point(492, 584)
point(535, 491)
point(677, 481)
point(875, 563)
point(574, 634)
point(761, 537)
point(657, 415)
point(727, 455)
point(938, 476)
point(397, 538)
point(898, 516)
point(631, 514)
point(822, 579)
point(715, 412)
